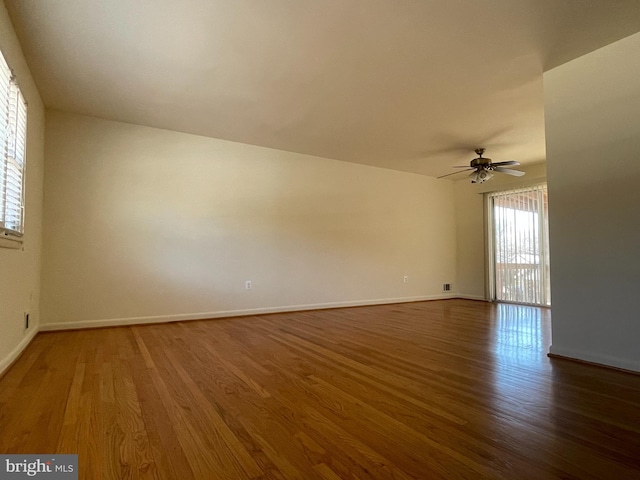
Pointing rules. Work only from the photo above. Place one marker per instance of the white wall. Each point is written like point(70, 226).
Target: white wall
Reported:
point(470, 219)
point(592, 110)
point(143, 224)
point(20, 269)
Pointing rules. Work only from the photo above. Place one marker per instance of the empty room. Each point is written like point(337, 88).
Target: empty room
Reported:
point(320, 240)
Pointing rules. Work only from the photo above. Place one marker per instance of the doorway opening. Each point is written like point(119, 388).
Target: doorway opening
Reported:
point(518, 239)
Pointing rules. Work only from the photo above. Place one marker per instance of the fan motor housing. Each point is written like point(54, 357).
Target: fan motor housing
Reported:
point(480, 162)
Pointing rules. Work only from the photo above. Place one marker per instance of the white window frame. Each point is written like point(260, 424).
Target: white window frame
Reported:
point(13, 155)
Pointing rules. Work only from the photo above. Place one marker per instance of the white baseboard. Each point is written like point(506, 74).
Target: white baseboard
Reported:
point(114, 322)
point(471, 297)
point(6, 362)
point(600, 359)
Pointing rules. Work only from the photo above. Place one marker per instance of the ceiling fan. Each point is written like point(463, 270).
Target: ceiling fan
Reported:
point(483, 168)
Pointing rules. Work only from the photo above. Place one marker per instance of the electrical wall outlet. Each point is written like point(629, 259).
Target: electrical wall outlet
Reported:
point(247, 285)
point(446, 287)
point(406, 279)
point(26, 321)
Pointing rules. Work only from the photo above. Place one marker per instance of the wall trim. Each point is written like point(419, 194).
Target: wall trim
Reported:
point(472, 297)
point(9, 242)
point(595, 358)
point(10, 359)
point(115, 322)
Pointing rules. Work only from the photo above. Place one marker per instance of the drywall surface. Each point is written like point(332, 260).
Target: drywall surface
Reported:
point(593, 152)
point(470, 222)
point(20, 268)
point(143, 224)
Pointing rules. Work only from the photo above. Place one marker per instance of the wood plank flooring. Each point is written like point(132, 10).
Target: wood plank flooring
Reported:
point(443, 389)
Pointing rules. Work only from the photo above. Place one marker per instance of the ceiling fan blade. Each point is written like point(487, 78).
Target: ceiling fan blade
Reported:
point(460, 166)
point(508, 162)
point(509, 171)
point(454, 173)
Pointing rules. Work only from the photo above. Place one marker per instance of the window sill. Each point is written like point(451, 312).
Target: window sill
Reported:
point(10, 242)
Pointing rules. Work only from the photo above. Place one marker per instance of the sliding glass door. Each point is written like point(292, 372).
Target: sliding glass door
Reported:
point(519, 246)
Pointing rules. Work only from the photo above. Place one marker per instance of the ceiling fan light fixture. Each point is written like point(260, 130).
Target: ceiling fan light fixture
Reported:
point(481, 176)
point(483, 168)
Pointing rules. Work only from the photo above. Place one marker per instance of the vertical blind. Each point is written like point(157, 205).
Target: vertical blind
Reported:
point(13, 136)
point(520, 245)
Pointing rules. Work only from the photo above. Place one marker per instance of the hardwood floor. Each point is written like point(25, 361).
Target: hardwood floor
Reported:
point(443, 389)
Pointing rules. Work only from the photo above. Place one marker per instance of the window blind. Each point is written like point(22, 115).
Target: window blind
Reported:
point(13, 136)
point(520, 245)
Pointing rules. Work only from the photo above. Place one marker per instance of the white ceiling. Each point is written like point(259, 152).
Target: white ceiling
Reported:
point(411, 85)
